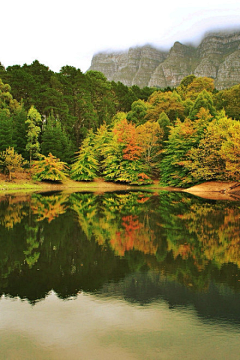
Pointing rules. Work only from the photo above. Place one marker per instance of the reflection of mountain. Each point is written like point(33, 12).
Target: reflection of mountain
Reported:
point(218, 303)
point(66, 280)
point(82, 242)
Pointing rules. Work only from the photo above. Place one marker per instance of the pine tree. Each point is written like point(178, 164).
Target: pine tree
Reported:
point(56, 141)
point(19, 132)
point(181, 139)
point(85, 167)
point(6, 131)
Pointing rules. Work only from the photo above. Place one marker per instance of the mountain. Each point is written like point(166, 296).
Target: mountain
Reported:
point(217, 56)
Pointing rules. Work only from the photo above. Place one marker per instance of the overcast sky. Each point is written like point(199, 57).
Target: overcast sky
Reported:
point(70, 32)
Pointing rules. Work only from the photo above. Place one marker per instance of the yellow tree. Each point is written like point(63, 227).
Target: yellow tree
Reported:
point(197, 86)
point(150, 136)
point(206, 162)
point(230, 151)
point(11, 161)
point(169, 102)
point(49, 168)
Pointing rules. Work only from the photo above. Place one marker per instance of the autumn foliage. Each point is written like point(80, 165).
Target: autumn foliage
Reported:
point(49, 168)
point(181, 136)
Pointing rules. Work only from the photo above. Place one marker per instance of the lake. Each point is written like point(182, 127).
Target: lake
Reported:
point(125, 275)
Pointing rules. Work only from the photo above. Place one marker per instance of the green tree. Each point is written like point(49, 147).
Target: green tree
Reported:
point(123, 96)
point(86, 163)
point(23, 84)
point(9, 109)
point(228, 99)
point(6, 131)
point(2, 71)
point(102, 97)
point(19, 131)
point(86, 117)
point(41, 76)
point(56, 141)
point(77, 94)
point(164, 123)
point(111, 152)
point(204, 100)
point(33, 130)
point(138, 112)
point(181, 139)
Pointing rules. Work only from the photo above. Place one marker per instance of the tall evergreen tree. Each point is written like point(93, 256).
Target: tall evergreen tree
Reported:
point(181, 139)
point(85, 167)
point(6, 131)
point(56, 141)
point(19, 132)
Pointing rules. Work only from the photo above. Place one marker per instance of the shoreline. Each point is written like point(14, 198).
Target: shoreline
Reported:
point(216, 190)
point(22, 182)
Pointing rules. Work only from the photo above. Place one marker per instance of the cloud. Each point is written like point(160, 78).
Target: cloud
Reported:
point(59, 33)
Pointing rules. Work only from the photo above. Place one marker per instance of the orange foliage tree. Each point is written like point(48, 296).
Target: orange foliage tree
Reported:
point(122, 155)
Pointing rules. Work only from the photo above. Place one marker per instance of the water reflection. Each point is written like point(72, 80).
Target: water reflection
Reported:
point(168, 251)
point(59, 236)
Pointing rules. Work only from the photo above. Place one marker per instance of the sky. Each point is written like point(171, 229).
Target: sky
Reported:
point(70, 32)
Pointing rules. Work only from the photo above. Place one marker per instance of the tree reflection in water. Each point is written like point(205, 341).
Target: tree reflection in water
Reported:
point(82, 241)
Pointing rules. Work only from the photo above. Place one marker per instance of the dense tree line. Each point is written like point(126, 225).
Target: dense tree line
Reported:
point(99, 128)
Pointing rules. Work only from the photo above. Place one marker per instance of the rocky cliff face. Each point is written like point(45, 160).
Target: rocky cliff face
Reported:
point(134, 67)
point(218, 57)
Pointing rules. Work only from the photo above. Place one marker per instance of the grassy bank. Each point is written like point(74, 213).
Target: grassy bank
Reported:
point(23, 183)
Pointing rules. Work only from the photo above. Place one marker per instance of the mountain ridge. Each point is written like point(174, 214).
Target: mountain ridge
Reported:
point(217, 56)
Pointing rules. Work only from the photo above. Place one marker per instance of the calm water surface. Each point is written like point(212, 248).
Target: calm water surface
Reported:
point(119, 276)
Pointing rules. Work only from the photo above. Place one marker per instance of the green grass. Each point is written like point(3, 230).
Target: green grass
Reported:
point(8, 187)
point(71, 185)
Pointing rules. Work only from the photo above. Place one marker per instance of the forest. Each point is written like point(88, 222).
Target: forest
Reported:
point(71, 124)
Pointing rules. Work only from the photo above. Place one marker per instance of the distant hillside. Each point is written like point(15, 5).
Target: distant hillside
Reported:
point(217, 56)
